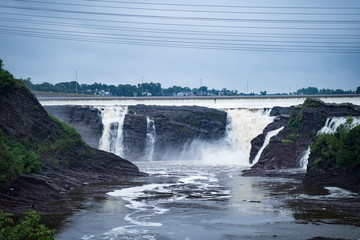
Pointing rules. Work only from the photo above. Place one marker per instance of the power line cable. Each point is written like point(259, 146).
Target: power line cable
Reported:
point(195, 11)
point(223, 6)
point(183, 32)
point(184, 17)
point(167, 24)
point(209, 42)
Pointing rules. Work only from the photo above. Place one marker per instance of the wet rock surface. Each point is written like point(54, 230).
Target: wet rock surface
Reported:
point(86, 120)
point(63, 167)
point(174, 127)
point(289, 146)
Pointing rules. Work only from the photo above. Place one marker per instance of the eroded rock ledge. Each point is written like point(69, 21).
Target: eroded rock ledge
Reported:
point(64, 165)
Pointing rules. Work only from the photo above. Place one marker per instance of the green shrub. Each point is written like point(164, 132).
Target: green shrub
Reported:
point(341, 148)
point(28, 228)
point(16, 157)
point(286, 142)
point(7, 82)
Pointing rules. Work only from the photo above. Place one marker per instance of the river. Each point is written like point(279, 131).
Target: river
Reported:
point(190, 200)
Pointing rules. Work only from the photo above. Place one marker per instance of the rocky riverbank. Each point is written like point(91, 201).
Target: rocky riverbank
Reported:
point(300, 131)
point(42, 158)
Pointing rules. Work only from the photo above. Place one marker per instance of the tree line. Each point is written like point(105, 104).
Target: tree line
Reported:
point(126, 90)
point(314, 90)
point(155, 89)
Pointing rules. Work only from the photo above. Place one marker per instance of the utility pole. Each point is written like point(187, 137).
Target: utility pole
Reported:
point(142, 86)
point(76, 81)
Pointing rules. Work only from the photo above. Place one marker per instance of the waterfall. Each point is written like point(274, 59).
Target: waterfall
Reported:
point(150, 139)
point(304, 160)
point(333, 123)
point(330, 127)
point(112, 136)
point(268, 137)
point(244, 125)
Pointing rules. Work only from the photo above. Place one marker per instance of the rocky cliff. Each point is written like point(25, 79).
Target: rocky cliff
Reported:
point(86, 120)
point(174, 128)
point(300, 129)
point(42, 158)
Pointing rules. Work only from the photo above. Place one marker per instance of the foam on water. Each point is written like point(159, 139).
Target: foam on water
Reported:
point(147, 210)
point(336, 192)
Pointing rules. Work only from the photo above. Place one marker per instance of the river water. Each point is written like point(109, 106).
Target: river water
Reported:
point(190, 200)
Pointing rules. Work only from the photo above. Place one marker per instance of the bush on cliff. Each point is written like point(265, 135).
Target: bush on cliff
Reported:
point(24, 154)
point(7, 82)
point(341, 149)
point(16, 157)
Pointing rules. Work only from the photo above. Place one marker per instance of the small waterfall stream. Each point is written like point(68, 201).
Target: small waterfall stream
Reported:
point(150, 139)
point(332, 124)
point(268, 137)
point(112, 136)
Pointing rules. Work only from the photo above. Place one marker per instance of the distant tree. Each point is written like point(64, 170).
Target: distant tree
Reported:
point(263, 93)
point(308, 91)
point(28, 83)
point(1, 63)
point(358, 90)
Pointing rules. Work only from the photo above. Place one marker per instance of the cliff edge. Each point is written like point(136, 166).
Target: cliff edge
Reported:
point(42, 158)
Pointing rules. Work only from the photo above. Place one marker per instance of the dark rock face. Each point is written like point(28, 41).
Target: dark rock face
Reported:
point(286, 150)
point(86, 120)
point(258, 141)
point(175, 127)
point(22, 117)
point(278, 111)
point(346, 178)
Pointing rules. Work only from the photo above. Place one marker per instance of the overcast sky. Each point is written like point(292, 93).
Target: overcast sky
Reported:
point(273, 46)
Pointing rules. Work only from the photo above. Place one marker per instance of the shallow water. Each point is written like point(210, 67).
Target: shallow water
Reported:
point(194, 200)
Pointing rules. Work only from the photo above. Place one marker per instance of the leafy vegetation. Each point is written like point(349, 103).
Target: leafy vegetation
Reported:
point(24, 156)
point(341, 149)
point(314, 90)
point(68, 140)
point(7, 82)
point(297, 116)
point(286, 142)
point(28, 228)
point(16, 157)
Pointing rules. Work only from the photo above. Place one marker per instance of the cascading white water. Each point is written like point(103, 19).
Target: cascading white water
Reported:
point(112, 137)
point(243, 126)
point(268, 137)
point(150, 139)
point(304, 160)
point(333, 123)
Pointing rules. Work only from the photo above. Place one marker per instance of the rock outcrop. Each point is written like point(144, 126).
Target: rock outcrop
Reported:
point(65, 164)
point(289, 146)
point(174, 128)
point(86, 120)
